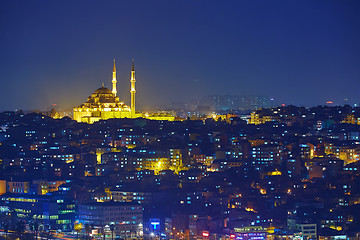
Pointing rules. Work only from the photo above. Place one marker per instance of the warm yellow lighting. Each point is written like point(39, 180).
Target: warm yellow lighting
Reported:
point(114, 80)
point(274, 173)
point(104, 104)
point(78, 227)
point(98, 157)
point(311, 153)
point(250, 210)
point(270, 229)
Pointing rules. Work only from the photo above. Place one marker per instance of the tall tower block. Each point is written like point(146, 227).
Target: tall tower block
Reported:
point(132, 89)
point(114, 80)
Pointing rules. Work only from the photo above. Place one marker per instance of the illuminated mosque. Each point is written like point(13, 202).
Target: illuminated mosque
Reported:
point(104, 104)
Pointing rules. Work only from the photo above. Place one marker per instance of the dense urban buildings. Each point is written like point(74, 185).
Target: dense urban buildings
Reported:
point(278, 173)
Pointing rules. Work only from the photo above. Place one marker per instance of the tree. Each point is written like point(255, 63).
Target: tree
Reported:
point(36, 228)
point(78, 228)
point(112, 228)
point(87, 230)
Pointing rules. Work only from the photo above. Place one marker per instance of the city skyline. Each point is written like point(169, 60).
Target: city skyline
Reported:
point(180, 120)
point(298, 53)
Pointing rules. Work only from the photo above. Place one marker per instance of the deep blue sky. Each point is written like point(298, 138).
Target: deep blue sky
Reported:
point(300, 52)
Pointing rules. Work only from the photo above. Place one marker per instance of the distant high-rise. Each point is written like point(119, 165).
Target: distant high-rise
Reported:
point(227, 102)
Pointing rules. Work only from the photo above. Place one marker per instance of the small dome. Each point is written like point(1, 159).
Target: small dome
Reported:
point(103, 90)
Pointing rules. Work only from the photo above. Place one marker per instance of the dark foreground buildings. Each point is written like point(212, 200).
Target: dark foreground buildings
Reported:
point(280, 173)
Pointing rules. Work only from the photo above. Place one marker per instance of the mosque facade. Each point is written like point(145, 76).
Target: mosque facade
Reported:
point(105, 104)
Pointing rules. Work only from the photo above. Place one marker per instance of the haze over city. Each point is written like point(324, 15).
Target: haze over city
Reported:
point(303, 53)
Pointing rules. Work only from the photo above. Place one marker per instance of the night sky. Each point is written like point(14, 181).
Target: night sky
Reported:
point(59, 52)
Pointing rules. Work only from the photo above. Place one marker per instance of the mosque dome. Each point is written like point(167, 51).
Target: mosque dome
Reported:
point(103, 90)
point(103, 95)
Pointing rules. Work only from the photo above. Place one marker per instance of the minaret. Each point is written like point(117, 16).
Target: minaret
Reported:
point(132, 89)
point(114, 80)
